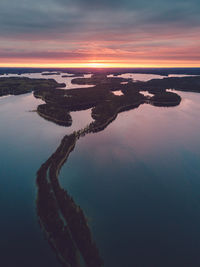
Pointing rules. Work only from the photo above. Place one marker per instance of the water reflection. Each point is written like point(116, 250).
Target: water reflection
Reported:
point(146, 93)
point(147, 77)
point(138, 76)
point(63, 221)
point(118, 92)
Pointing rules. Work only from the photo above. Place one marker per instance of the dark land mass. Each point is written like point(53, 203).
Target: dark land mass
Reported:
point(23, 85)
point(50, 73)
point(165, 99)
point(55, 114)
point(100, 79)
point(115, 71)
point(190, 84)
point(62, 220)
point(73, 75)
point(101, 94)
point(105, 105)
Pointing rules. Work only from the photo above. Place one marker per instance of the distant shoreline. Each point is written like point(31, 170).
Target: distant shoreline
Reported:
point(165, 71)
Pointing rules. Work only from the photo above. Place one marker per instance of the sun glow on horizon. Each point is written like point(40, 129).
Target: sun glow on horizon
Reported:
point(96, 65)
point(102, 64)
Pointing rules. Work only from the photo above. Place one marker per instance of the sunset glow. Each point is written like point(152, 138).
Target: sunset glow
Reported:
point(98, 65)
point(103, 34)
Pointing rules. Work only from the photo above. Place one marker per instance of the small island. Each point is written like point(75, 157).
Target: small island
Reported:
point(50, 73)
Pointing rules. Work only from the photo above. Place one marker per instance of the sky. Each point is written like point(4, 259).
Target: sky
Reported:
point(100, 33)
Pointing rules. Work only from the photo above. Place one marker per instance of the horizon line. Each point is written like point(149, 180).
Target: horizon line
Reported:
point(97, 67)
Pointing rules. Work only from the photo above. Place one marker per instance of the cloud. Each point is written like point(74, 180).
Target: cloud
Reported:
point(66, 26)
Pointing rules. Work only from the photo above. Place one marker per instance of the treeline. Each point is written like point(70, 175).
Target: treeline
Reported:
point(63, 221)
point(22, 85)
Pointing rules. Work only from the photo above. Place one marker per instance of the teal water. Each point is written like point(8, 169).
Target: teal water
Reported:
point(26, 141)
point(139, 185)
point(138, 182)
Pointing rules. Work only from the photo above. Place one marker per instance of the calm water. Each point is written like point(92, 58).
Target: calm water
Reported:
point(26, 141)
point(138, 182)
point(141, 185)
point(146, 77)
point(138, 76)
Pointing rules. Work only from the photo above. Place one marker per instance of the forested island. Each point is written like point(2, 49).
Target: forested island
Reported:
point(23, 85)
point(105, 105)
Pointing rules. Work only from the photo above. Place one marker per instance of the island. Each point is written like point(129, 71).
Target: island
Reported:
point(50, 73)
point(23, 85)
